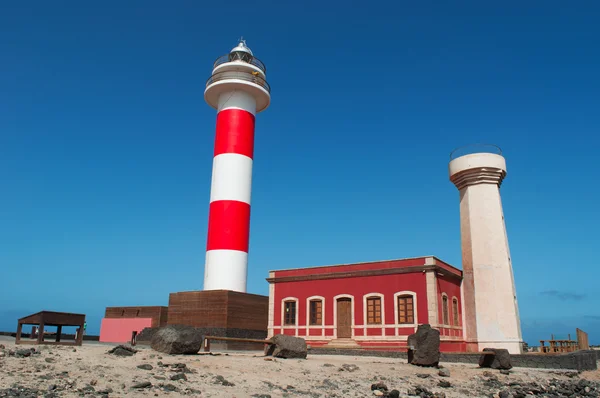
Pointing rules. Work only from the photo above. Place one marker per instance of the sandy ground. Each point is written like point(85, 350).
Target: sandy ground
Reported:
point(65, 370)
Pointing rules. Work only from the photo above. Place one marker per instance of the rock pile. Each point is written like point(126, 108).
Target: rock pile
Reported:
point(554, 388)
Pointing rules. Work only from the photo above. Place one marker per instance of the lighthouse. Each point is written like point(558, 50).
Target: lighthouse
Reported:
point(238, 90)
point(491, 313)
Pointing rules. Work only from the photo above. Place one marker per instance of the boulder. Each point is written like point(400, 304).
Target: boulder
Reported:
point(287, 347)
point(424, 346)
point(145, 336)
point(498, 358)
point(177, 339)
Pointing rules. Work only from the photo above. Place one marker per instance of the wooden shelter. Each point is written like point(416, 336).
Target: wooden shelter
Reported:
point(566, 345)
point(51, 318)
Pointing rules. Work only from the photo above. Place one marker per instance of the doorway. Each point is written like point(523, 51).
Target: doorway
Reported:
point(344, 318)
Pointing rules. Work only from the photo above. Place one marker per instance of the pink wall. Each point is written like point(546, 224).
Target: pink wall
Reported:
point(119, 330)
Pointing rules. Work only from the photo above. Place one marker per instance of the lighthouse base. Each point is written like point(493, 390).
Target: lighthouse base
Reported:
point(222, 313)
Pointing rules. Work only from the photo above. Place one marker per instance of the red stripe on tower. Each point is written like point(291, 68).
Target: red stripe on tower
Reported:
point(229, 226)
point(238, 90)
point(235, 132)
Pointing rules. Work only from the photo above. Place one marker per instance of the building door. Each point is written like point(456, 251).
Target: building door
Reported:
point(344, 318)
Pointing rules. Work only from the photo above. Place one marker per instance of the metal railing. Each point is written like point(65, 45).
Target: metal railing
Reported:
point(475, 148)
point(255, 61)
point(220, 76)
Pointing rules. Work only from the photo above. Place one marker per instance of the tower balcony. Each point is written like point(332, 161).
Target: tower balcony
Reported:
point(477, 164)
point(232, 80)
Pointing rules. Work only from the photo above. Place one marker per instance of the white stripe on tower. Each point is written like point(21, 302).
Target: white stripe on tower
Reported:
point(229, 216)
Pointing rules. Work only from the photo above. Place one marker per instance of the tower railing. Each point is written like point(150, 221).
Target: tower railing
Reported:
point(475, 148)
point(220, 76)
point(255, 61)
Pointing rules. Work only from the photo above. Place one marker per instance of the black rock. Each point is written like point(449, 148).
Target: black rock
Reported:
point(495, 358)
point(123, 351)
point(145, 336)
point(145, 367)
point(287, 347)
point(23, 353)
point(348, 368)
point(178, 376)
point(168, 387)
point(177, 339)
point(505, 394)
point(221, 380)
point(424, 346)
point(394, 394)
point(143, 384)
point(379, 386)
point(444, 372)
point(444, 384)
point(327, 383)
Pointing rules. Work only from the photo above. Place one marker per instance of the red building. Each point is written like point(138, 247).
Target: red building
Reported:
point(371, 305)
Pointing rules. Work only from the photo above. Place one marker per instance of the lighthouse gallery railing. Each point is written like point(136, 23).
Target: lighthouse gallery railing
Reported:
point(220, 76)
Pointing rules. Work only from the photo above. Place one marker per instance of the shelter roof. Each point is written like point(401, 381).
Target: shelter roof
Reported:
point(53, 318)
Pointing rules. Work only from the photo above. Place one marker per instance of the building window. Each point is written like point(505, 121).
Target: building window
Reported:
point(455, 311)
point(316, 312)
point(290, 313)
point(373, 310)
point(406, 309)
point(445, 310)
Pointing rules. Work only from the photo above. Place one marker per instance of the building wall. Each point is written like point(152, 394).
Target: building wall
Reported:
point(357, 289)
point(451, 334)
point(158, 314)
point(198, 308)
point(119, 330)
point(247, 311)
point(427, 279)
point(450, 288)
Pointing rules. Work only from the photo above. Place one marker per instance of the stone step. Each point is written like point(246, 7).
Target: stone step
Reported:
point(342, 343)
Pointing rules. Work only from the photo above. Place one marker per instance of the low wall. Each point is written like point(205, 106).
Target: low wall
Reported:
point(145, 337)
point(580, 360)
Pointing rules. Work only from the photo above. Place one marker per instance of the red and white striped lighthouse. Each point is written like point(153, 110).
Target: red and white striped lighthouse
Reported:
point(238, 90)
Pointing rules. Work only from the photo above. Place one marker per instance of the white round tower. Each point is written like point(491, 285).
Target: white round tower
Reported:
point(238, 90)
point(491, 314)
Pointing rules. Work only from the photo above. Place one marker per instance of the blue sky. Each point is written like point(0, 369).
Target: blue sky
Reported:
point(106, 144)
